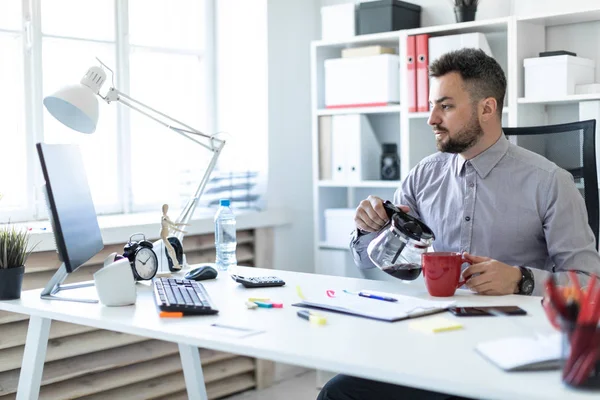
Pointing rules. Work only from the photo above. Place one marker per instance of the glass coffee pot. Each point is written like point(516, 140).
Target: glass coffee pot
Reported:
point(398, 246)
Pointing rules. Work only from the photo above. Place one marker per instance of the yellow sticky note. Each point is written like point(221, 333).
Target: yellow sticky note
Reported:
point(435, 325)
point(263, 299)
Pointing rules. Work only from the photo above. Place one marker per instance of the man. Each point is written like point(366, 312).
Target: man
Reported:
point(514, 214)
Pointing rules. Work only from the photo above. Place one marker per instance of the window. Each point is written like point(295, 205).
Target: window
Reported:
point(15, 203)
point(242, 91)
point(163, 55)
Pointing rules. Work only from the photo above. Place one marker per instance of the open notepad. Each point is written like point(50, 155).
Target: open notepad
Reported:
point(523, 353)
point(405, 307)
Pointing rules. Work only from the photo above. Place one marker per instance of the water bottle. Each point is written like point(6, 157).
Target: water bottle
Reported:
point(225, 241)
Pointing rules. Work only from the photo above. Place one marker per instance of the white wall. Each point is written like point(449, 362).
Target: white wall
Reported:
point(292, 25)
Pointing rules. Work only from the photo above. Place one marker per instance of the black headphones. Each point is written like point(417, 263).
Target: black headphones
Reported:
point(130, 248)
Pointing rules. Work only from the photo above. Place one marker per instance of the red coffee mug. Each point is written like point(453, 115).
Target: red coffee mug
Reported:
point(442, 272)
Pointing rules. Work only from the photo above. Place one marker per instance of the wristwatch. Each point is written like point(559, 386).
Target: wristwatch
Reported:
point(526, 283)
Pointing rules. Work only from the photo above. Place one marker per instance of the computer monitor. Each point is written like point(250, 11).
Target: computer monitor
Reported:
point(72, 214)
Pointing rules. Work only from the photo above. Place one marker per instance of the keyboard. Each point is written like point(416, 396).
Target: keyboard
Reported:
point(182, 295)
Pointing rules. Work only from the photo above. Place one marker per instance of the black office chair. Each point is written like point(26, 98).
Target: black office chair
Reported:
point(571, 146)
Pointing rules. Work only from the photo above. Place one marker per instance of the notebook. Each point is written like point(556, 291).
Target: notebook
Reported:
point(352, 304)
point(523, 353)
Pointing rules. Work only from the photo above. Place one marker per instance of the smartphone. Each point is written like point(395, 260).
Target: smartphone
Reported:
point(486, 311)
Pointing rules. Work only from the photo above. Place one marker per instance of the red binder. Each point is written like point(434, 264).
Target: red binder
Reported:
point(422, 47)
point(411, 79)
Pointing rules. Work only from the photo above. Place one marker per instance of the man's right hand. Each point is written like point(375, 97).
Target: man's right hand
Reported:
point(370, 214)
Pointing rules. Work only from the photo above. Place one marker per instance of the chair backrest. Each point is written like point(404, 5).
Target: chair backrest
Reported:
point(571, 146)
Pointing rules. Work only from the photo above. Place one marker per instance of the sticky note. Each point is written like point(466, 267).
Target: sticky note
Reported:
point(435, 325)
point(277, 305)
point(263, 304)
point(263, 299)
point(251, 304)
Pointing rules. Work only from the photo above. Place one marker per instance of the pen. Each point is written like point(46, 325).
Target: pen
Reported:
point(377, 297)
point(312, 318)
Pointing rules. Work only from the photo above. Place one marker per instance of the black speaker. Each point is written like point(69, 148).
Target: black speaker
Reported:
point(390, 162)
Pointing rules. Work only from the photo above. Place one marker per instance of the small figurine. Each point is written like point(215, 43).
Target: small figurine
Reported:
point(166, 224)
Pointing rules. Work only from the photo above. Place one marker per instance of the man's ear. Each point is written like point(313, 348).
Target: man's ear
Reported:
point(488, 107)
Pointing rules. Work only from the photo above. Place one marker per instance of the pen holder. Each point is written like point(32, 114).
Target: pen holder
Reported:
point(580, 355)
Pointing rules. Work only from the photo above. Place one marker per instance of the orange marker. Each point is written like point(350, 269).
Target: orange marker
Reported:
point(167, 314)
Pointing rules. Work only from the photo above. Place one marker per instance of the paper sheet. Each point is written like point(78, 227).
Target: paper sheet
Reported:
point(405, 307)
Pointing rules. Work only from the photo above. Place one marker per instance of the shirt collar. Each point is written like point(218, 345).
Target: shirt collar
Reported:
point(487, 160)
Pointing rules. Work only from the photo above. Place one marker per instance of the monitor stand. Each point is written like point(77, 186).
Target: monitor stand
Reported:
point(55, 285)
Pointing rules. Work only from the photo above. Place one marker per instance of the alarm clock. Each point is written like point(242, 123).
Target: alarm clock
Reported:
point(142, 258)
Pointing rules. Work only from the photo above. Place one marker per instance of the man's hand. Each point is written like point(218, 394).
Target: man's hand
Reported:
point(370, 214)
point(495, 278)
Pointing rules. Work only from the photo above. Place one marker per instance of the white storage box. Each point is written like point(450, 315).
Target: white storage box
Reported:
point(553, 77)
point(362, 81)
point(439, 45)
point(339, 224)
point(338, 21)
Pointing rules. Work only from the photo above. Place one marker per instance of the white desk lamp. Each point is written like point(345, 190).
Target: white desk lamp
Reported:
point(76, 106)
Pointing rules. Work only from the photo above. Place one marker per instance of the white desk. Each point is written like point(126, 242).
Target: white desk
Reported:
point(391, 352)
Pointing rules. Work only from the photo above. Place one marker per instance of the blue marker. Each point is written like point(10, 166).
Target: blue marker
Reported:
point(377, 297)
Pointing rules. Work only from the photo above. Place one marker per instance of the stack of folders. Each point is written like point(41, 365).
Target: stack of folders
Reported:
point(348, 149)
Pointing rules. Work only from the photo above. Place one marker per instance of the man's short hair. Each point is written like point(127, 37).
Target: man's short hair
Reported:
point(482, 74)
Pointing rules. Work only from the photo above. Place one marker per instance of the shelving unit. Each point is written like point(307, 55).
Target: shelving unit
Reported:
point(511, 39)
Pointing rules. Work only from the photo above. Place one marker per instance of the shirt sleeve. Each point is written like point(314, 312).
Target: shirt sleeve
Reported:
point(570, 240)
point(404, 195)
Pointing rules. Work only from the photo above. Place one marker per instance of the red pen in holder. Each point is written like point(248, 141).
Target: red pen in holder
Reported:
point(581, 355)
point(576, 316)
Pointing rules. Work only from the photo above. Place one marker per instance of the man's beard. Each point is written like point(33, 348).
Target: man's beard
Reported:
point(462, 140)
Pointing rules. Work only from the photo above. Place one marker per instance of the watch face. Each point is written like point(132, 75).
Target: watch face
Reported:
point(527, 286)
point(146, 263)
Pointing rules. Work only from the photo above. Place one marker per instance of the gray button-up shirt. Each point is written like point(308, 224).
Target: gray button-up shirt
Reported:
point(507, 203)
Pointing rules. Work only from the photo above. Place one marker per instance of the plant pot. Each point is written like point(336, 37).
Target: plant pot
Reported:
point(465, 14)
point(11, 280)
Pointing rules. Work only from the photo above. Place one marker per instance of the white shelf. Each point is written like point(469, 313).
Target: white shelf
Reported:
point(563, 19)
point(571, 99)
point(483, 26)
point(360, 110)
point(388, 38)
point(362, 184)
point(425, 114)
point(420, 114)
point(324, 245)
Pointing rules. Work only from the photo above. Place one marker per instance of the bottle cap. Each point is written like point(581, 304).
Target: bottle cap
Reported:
point(224, 202)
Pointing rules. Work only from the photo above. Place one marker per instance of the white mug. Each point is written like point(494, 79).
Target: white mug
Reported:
point(115, 284)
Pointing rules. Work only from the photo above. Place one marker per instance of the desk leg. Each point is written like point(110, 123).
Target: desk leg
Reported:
point(192, 372)
point(34, 356)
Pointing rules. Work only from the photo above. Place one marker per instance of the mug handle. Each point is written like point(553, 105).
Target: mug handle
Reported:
point(460, 283)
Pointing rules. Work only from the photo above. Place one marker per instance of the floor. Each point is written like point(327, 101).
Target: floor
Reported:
point(300, 387)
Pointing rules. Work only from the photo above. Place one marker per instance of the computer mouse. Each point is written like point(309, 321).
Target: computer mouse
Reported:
point(202, 273)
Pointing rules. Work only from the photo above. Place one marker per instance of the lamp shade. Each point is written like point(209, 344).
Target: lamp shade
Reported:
point(76, 106)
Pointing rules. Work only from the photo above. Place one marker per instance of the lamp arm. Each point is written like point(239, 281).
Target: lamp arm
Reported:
point(188, 210)
point(216, 145)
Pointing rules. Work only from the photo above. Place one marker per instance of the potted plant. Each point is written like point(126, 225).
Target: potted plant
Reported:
point(465, 10)
point(14, 251)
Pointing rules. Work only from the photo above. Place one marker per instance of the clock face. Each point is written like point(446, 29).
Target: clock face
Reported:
point(146, 263)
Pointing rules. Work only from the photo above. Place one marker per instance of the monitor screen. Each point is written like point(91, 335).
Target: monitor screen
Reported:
point(70, 204)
